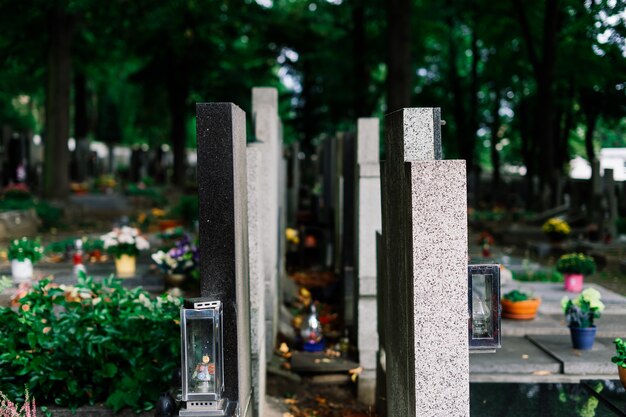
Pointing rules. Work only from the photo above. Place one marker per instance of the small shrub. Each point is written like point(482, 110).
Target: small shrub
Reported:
point(89, 344)
point(517, 295)
point(576, 263)
point(620, 357)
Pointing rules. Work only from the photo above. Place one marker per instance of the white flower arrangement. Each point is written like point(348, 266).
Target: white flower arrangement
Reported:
point(124, 241)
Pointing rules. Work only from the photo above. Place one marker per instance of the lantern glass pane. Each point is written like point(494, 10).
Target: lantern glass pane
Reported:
point(482, 326)
point(203, 353)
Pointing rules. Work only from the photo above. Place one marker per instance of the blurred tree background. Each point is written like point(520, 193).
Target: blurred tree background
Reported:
point(530, 83)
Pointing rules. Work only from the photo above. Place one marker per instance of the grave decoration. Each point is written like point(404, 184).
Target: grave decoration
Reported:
point(574, 267)
point(580, 314)
point(178, 262)
point(124, 244)
point(202, 358)
point(484, 307)
point(620, 359)
point(520, 305)
point(556, 229)
point(23, 253)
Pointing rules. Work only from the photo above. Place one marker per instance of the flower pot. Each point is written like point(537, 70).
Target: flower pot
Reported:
point(165, 224)
point(520, 310)
point(22, 271)
point(573, 282)
point(125, 266)
point(583, 337)
point(622, 375)
point(174, 280)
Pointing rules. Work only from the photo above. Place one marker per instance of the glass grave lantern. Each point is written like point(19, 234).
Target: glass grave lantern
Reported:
point(484, 307)
point(202, 356)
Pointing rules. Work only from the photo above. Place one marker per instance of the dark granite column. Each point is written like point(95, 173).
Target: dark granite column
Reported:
point(221, 135)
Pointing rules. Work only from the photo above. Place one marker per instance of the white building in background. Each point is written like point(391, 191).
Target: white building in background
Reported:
point(610, 158)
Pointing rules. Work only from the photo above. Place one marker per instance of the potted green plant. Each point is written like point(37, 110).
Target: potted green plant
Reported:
point(556, 229)
point(620, 359)
point(520, 305)
point(124, 244)
point(23, 254)
point(580, 314)
point(574, 267)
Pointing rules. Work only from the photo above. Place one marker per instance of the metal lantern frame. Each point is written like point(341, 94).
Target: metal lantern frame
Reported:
point(487, 278)
point(201, 324)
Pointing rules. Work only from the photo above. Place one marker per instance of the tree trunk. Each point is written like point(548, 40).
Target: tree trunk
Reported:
point(472, 122)
point(360, 68)
point(545, 107)
point(591, 121)
point(495, 138)
point(178, 91)
point(458, 100)
point(399, 74)
point(544, 72)
point(58, 85)
point(527, 151)
point(80, 124)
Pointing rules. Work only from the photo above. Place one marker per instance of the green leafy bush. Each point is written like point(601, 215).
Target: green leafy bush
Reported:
point(550, 275)
point(582, 310)
point(620, 357)
point(25, 248)
point(576, 263)
point(517, 295)
point(89, 344)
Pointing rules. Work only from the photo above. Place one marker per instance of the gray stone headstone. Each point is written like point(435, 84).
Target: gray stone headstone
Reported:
point(611, 199)
point(266, 130)
point(257, 274)
point(368, 221)
point(425, 241)
point(223, 249)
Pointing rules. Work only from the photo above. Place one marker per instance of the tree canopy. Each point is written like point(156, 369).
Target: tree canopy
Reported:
point(529, 83)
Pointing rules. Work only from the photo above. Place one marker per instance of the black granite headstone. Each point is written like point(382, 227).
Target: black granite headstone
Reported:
point(223, 249)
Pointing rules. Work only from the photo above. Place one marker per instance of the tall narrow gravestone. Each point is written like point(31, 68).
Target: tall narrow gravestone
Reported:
point(425, 242)
point(221, 134)
point(256, 220)
point(267, 132)
point(368, 222)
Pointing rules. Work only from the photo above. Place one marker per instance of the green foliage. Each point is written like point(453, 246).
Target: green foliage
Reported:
point(151, 193)
point(25, 248)
point(5, 282)
point(49, 215)
point(186, 209)
point(89, 344)
point(517, 295)
point(620, 356)
point(582, 310)
point(549, 275)
point(576, 263)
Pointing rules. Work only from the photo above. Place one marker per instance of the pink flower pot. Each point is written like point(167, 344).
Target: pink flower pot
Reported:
point(573, 282)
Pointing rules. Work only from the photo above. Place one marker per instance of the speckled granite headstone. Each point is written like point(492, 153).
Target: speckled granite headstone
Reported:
point(425, 239)
point(223, 249)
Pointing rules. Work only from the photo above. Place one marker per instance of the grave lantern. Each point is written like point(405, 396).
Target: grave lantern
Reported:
point(202, 356)
point(484, 307)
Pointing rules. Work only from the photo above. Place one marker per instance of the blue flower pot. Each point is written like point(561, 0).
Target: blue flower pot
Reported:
point(583, 337)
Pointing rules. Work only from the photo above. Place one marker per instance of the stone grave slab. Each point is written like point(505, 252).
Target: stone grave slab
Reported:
point(541, 324)
point(595, 361)
point(551, 294)
point(609, 326)
point(308, 362)
point(517, 355)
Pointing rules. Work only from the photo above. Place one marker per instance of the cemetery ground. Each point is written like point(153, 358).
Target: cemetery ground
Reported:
point(533, 352)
